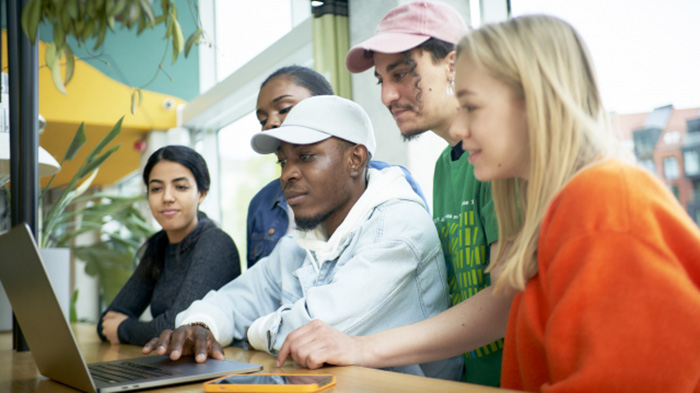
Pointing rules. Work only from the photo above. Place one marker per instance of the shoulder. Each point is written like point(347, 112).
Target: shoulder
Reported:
point(611, 196)
point(267, 195)
point(402, 218)
point(376, 164)
point(444, 159)
point(215, 237)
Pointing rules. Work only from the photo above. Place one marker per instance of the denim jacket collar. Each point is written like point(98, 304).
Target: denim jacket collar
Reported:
point(383, 185)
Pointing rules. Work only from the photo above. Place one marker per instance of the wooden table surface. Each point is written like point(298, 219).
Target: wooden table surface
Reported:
point(18, 373)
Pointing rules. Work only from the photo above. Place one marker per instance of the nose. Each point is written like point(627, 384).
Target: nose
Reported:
point(290, 173)
point(274, 121)
point(459, 129)
point(168, 195)
point(389, 94)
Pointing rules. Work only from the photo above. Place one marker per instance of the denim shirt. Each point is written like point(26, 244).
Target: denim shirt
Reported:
point(268, 218)
point(383, 267)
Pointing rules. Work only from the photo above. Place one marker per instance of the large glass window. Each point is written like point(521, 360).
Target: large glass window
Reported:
point(243, 174)
point(246, 28)
point(631, 58)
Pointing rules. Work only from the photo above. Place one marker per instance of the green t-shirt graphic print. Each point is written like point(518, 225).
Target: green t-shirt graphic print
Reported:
point(465, 219)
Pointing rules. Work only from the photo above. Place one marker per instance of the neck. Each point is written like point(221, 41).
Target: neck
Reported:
point(442, 128)
point(178, 235)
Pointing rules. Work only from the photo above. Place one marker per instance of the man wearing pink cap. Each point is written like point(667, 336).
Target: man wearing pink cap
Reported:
point(413, 56)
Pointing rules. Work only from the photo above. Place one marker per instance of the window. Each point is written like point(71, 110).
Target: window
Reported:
point(691, 162)
point(670, 168)
point(672, 137)
point(627, 55)
point(244, 29)
point(243, 173)
point(649, 165)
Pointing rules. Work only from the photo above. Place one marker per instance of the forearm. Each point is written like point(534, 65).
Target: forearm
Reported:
point(475, 322)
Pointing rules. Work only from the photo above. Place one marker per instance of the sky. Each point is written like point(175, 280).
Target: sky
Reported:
point(646, 52)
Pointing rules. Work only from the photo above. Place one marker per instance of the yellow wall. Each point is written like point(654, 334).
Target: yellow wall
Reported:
point(99, 101)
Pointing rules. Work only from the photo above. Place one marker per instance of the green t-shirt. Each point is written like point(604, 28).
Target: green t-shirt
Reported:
point(465, 218)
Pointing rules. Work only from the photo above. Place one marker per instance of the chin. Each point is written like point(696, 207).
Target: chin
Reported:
point(411, 133)
point(485, 175)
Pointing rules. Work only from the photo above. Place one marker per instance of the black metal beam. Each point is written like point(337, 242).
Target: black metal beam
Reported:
point(23, 64)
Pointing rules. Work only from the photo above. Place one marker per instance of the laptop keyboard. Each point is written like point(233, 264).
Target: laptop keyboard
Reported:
point(125, 371)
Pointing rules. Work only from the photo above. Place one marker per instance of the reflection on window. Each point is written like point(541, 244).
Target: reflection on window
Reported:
point(243, 173)
point(670, 168)
point(691, 162)
point(246, 28)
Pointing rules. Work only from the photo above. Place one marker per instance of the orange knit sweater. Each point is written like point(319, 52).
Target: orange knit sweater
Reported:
point(615, 306)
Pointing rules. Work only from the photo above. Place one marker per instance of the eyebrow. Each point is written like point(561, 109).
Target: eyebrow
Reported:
point(174, 180)
point(464, 92)
point(391, 66)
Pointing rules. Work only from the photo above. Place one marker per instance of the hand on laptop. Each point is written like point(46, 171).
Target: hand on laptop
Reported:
point(186, 340)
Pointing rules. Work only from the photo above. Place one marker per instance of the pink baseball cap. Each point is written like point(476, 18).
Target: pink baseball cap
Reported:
point(404, 28)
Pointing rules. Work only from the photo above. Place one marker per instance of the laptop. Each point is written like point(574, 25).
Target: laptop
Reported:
point(53, 345)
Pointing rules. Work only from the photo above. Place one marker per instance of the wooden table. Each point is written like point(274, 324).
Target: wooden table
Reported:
point(18, 373)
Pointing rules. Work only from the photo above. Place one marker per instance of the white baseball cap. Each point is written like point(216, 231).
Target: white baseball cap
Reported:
point(316, 119)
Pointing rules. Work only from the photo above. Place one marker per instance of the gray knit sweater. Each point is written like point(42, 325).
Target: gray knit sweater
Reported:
point(207, 263)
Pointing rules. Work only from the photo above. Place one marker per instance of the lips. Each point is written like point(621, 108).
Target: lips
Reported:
point(398, 110)
point(169, 212)
point(473, 155)
point(294, 197)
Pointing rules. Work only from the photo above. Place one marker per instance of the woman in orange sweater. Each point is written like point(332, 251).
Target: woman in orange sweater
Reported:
point(605, 262)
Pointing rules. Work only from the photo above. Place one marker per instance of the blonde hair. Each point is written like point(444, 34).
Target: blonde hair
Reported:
point(543, 60)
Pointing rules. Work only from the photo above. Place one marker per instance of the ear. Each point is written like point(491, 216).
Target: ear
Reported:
point(202, 196)
point(450, 61)
point(357, 159)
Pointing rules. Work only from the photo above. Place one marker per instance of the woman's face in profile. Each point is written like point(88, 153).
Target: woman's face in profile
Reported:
point(491, 122)
point(276, 99)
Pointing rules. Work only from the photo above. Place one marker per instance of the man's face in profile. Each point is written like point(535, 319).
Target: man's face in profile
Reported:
point(413, 89)
point(315, 180)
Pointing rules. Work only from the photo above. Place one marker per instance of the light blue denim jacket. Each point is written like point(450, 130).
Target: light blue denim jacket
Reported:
point(383, 267)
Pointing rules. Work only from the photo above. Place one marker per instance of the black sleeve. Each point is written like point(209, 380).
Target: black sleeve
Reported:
point(214, 261)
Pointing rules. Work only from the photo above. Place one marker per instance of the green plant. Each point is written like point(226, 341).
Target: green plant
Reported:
point(55, 222)
point(89, 19)
point(120, 230)
point(115, 221)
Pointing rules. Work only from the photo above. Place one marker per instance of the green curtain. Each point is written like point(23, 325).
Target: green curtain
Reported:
point(331, 43)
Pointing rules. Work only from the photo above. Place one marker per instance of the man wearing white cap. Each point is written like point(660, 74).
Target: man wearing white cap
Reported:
point(413, 56)
point(364, 256)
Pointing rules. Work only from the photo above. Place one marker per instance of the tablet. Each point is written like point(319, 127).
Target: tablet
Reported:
point(270, 383)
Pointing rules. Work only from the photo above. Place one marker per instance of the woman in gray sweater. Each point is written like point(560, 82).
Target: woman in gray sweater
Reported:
point(179, 264)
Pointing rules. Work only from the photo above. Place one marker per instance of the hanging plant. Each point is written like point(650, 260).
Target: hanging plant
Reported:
point(90, 19)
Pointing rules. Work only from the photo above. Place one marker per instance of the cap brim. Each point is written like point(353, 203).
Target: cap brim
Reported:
point(267, 142)
point(356, 60)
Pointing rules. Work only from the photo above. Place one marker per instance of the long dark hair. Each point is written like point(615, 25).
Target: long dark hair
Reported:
point(152, 252)
point(304, 77)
